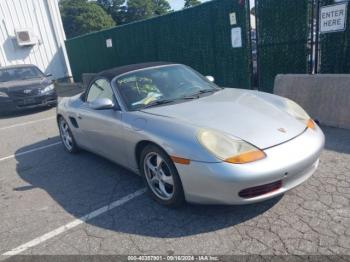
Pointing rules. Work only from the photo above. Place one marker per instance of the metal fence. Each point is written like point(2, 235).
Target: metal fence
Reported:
point(289, 40)
point(282, 39)
point(335, 48)
point(199, 37)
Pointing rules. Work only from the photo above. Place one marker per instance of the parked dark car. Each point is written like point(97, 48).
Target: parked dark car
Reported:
point(24, 87)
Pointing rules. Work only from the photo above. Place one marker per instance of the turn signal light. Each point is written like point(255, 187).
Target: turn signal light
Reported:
point(311, 124)
point(246, 157)
point(180, 160)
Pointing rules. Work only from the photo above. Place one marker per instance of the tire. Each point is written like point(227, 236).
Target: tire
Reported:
point(69, 144)
point(161, 177)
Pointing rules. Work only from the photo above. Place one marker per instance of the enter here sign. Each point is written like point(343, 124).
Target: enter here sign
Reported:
point(333, 18)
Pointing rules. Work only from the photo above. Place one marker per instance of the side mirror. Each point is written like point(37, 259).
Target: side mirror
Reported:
point(210, 78)
point(102, 104)
point(48, 75)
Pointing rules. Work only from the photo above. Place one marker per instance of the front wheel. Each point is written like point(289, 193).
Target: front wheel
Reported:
point(161, 177)
point(67, 136)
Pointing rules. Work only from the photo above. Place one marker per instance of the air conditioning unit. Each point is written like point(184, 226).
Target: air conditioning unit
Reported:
point(25, 37)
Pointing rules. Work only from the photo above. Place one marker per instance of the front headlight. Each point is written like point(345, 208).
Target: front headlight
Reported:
point(229, 149)
point(3, 94)
point(48, 89)
point(299, 113)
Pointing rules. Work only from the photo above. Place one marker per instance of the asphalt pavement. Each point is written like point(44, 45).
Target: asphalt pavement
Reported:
point(54, 203)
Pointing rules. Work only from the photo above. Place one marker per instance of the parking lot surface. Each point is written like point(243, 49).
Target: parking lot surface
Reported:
point(55, 203)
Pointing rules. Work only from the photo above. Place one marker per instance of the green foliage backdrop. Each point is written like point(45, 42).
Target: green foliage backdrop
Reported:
point(81, 17)
point(190, 3)
point(199, 37)
point(335, 49)
point(282, 39)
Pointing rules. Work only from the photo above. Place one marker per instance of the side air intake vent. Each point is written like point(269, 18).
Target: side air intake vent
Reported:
point(74, 122)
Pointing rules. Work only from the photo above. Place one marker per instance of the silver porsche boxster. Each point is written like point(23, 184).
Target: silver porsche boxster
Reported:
point(190, 139)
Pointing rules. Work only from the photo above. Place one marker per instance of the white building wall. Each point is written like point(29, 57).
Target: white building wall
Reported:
point(43, 18)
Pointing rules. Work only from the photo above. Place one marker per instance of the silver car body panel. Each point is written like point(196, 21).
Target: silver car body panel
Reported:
point(292, 162)
point(245, 114)
point(250, 115)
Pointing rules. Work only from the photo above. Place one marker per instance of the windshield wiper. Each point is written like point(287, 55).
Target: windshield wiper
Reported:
point(200, 92)
point(204, 91)
point(189, 97)
point(159, 102)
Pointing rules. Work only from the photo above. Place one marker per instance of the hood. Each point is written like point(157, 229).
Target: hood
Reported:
point(245, 114)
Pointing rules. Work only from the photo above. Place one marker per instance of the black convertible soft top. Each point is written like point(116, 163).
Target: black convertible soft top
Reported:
point(111, 73)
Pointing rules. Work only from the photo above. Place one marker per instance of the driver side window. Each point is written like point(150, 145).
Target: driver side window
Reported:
point(101, 88)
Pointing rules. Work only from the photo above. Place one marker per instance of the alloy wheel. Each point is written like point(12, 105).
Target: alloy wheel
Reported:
point(65, 135)
point(158, 176)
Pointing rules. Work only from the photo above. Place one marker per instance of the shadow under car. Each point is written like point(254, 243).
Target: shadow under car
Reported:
point(84, 182)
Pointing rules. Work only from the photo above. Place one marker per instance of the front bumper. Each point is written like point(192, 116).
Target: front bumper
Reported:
point(292, 162)
point(10, 104)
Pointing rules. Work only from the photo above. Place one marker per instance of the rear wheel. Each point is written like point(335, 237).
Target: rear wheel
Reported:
point(67, 136)
point(161, 177)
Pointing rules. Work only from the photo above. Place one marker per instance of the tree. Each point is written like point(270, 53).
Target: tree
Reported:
point(161, 7)
point(116, 9)
point(190, 3)
point(81, 17)
point(143, 9)
point(139, 9)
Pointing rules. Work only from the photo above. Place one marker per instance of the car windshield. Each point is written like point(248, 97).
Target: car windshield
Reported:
point(160, 85)
point(20, 73)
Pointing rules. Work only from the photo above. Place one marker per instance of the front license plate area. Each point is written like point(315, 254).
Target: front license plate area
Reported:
point(28, 101)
